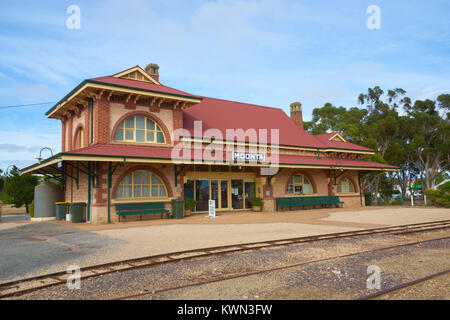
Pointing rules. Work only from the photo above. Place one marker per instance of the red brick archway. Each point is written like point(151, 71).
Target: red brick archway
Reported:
point(142, 167)
point(355, 185)
point(144, 114)
point(303, 173)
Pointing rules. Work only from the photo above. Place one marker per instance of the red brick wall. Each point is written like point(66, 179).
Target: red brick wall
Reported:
point(297, 117)
point(101, 120)
point(177, 119)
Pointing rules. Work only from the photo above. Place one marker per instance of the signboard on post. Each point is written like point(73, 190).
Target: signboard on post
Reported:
point(212, 208)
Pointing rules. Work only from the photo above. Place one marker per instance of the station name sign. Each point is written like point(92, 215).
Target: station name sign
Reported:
point(247, 156)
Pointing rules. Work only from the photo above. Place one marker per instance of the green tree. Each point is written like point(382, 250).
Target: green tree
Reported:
point(20, 188)
point(430, 139)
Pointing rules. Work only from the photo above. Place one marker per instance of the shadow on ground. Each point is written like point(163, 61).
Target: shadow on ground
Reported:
point(32, 247)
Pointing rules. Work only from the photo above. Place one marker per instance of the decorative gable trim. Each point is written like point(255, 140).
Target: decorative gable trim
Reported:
point(135, 73)
point(337, 137)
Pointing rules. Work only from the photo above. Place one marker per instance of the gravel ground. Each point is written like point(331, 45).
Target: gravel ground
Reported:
point(343, 278)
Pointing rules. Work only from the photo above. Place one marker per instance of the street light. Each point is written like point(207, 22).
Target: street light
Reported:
point(40, 154)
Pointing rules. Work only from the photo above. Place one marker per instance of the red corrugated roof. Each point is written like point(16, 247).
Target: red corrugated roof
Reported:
point(120, 150)
point(141, 85)
point(224, 114)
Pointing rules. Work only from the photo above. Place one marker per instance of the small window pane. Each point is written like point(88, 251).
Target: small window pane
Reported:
point(162, 191)
point(137, 191)
point(126, 180)
point(308, 188)
point(306, 181)
point(150, 136)
point(150, 124)
point(119, 134)
point(129, 135)
point(155, 191)
point(141, 177)
point(129, 123)
point(298, 179)
point(146, 191)
point(119, 193)
point(298, 189)
point(290, 188)
point(351, 188)
point(127, 191)
point(140, 123)
point(160, 137)
point(140, 135)
point(155, 180)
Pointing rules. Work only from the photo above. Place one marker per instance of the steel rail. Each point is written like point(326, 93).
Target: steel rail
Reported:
point(242, 275)
point(402, 286)
point(52, 279)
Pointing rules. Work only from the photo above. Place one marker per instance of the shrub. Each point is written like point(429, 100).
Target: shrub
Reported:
point(446, 187)
point(399, 201)
point(368, 198)
point(189, 203)
point(257, 202)
point(31, 209)
point(438, 197)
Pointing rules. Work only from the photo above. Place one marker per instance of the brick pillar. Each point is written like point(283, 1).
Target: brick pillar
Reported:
point(69, 133)
point(177, 119)
point(101, 120)
point(63, 139)
point(87, 127)
point(99, 200)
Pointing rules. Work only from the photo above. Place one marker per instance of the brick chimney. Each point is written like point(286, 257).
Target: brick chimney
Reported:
point(153, 70)
point(296, 113)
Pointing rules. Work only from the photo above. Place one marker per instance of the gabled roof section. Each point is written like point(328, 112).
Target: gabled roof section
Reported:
point(135, 73)
point(336, 141)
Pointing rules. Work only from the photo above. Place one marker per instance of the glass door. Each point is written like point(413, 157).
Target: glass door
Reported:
point(215, 192)
point(202, 194)
point(237, 194)
point(224, 194)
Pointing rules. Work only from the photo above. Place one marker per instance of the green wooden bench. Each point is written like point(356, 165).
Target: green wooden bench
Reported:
point(129, 209)
point(297, 202)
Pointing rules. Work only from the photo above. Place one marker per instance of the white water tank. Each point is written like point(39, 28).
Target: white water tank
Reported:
point(45, 196)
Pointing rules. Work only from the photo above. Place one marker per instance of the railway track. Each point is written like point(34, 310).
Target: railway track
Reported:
point(19, 287)
point(403, 286)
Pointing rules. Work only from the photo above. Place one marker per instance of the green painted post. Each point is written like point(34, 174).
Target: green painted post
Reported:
point(88, 213)
point(109, 192)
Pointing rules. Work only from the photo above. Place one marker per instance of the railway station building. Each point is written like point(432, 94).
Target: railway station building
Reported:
point(128, 138)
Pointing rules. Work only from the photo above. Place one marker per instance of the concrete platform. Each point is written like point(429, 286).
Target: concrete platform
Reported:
point(31, 248)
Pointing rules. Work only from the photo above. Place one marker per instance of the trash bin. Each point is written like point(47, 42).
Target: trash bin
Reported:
point(61, 210)
point(177, 209)
point(76, 210)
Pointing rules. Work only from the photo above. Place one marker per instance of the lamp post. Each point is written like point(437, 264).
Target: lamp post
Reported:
point(39, 159)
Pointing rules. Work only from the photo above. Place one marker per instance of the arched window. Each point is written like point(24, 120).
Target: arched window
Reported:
point(346, 186)
point(299, 184)
point(79, 138)
point(141, 184)
point(139, 129)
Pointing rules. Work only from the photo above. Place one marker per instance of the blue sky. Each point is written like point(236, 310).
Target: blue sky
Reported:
point(264, 52)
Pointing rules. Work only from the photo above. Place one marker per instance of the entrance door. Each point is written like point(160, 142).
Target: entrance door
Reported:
point(237, 194)
point(219, 193)
point(202, 194)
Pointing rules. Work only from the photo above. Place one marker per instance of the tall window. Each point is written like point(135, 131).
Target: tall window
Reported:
point(141, 185)
point(139, 129)
point(346, 186)
point(79, 138)
point(299, 184)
